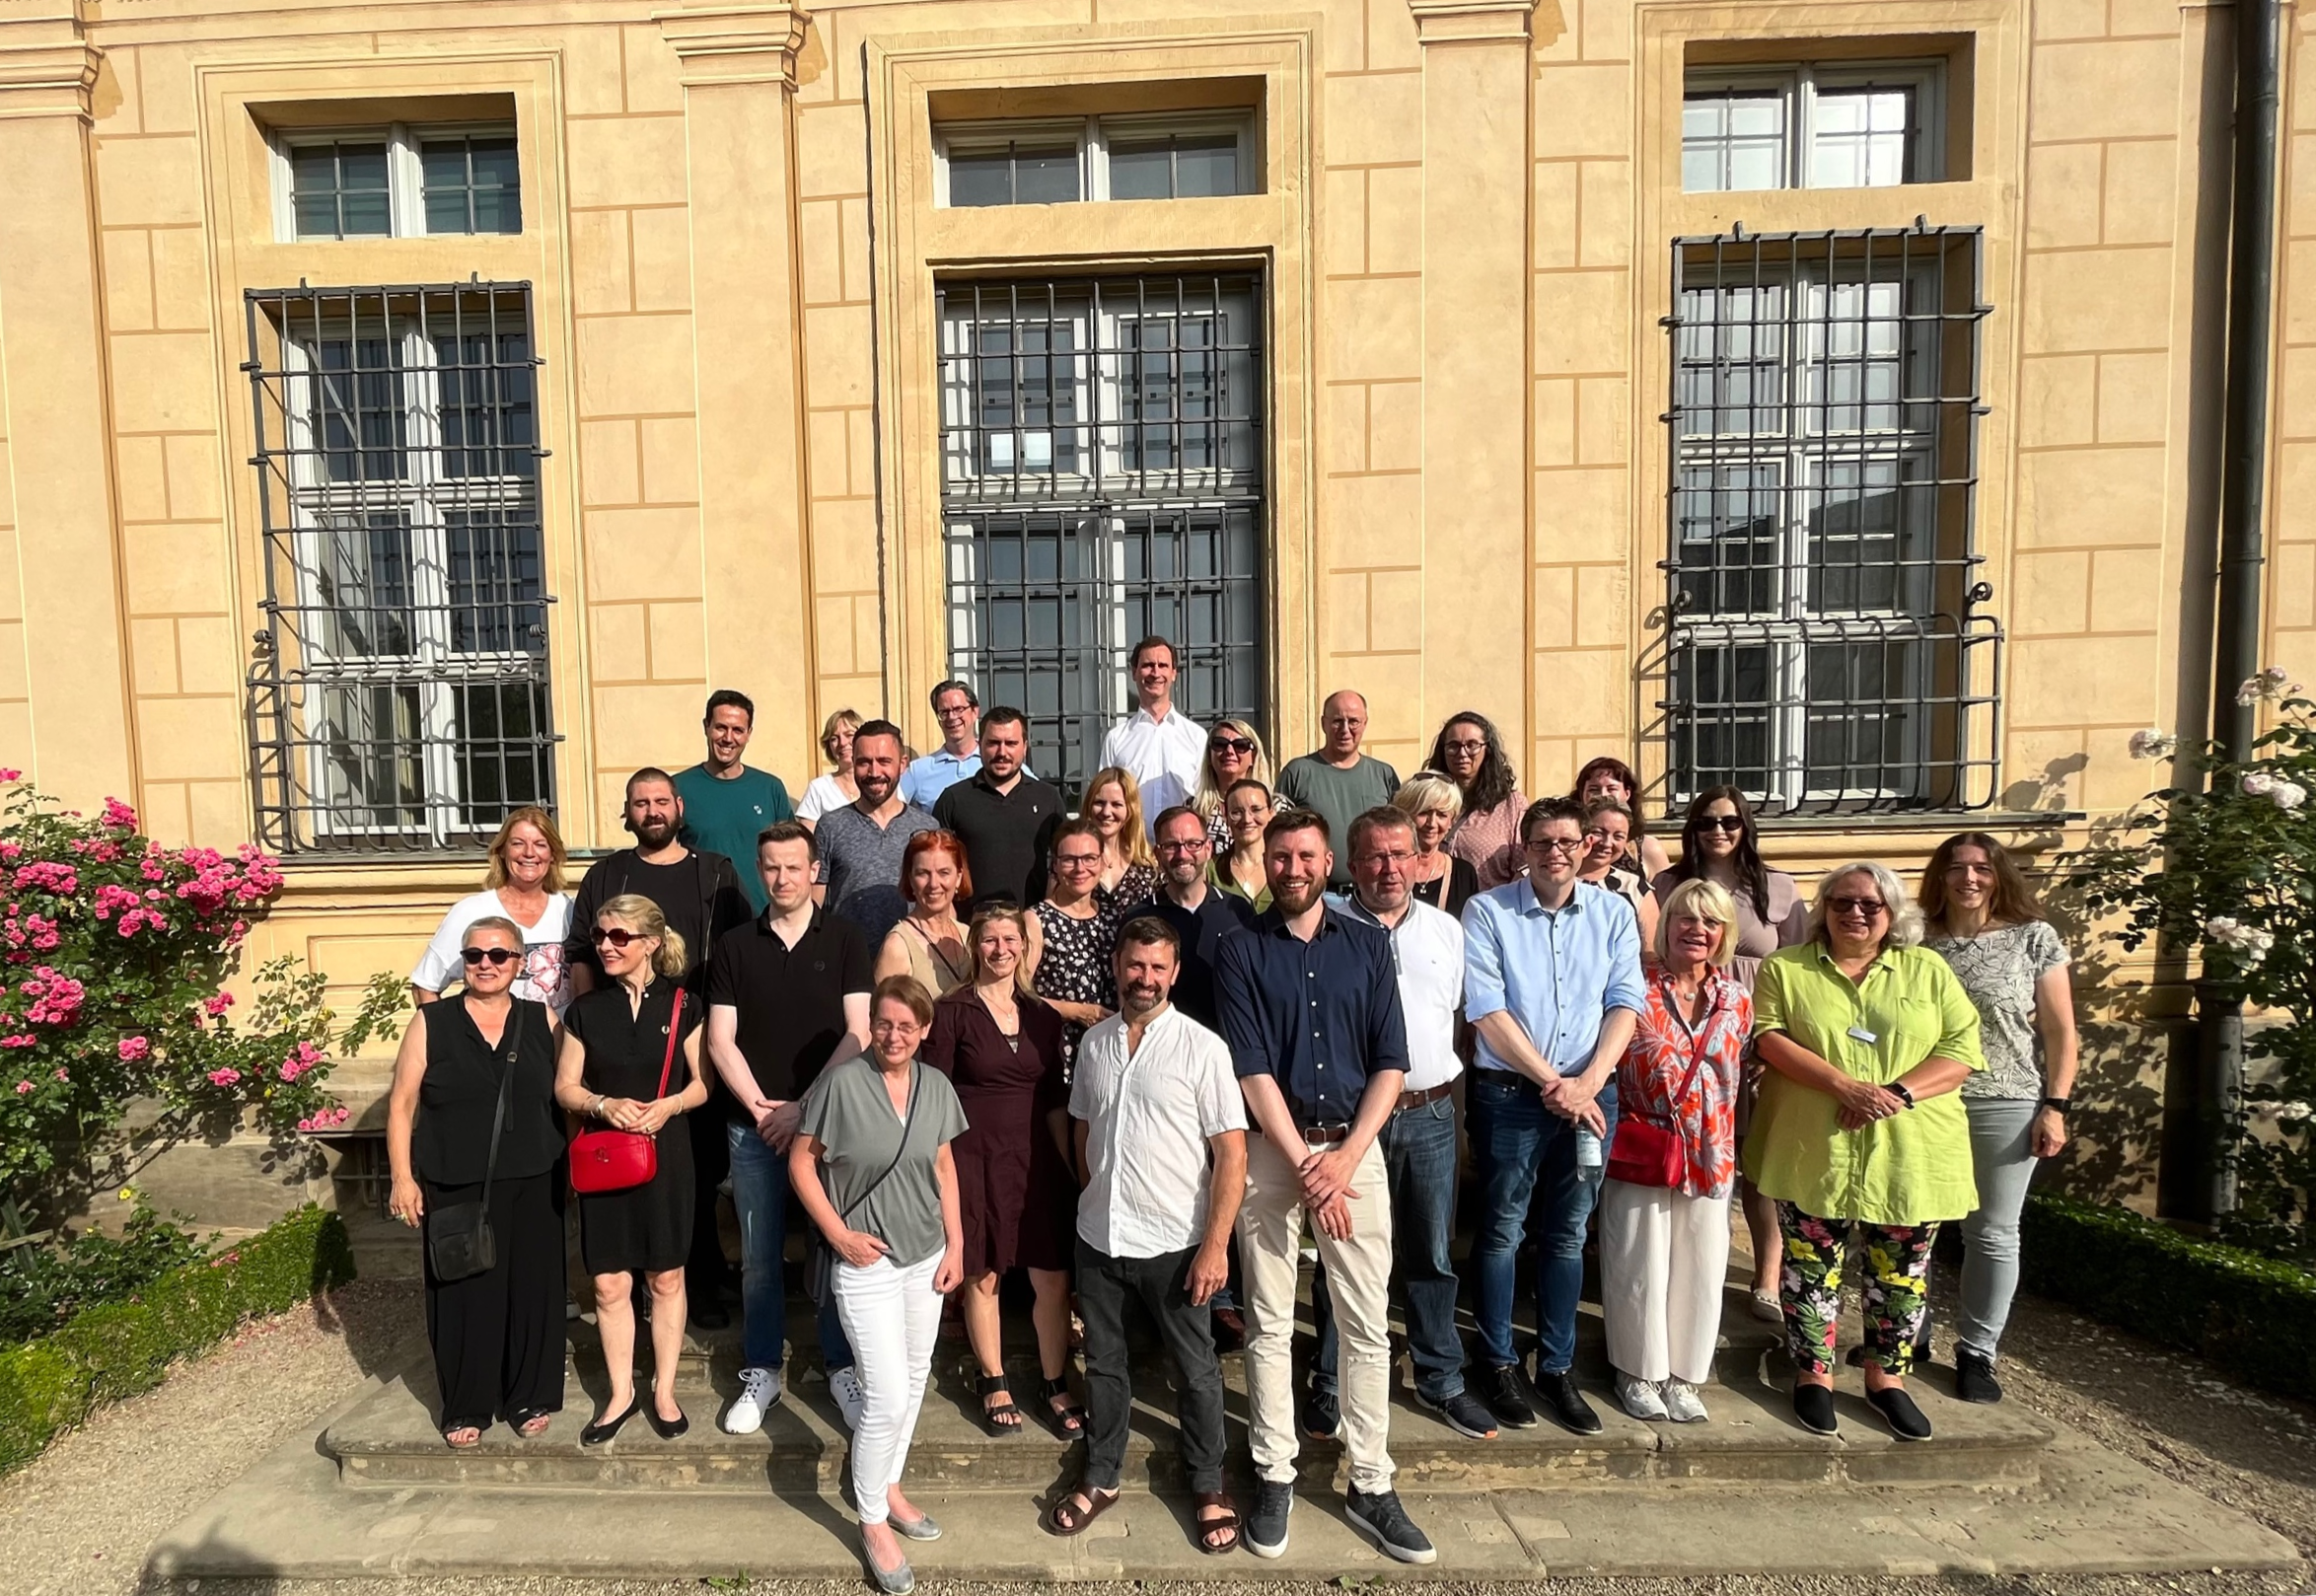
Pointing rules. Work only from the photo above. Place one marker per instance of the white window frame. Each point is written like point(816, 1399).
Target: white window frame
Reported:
point(1093, 136)
point(1799, 84)
point(405, 175)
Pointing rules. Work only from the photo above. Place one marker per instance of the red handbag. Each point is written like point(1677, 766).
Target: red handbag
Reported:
point(1644, 1153)
point(621, 1160)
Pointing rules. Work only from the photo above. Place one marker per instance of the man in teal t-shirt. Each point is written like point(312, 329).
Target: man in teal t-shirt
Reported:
point(1338, 780)
point(725, 803)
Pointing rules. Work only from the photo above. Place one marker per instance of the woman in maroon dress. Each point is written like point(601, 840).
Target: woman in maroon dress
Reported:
point(1001, 1047)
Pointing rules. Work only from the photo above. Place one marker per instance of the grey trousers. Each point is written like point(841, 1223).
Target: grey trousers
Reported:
point(2003, 1165)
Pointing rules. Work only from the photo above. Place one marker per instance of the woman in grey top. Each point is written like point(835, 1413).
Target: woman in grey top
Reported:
point(1984, 920)
point(871, 1163)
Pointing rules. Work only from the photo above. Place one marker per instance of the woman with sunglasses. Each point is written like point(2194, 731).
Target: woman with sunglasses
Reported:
point(1113, 803)
point(1072, 933)
point(523, 884)
point(1234, 754)
point(1721, 844)
point(1610, 779)
point(1860, 1127)
point(619, 1042)
point(834, 789)
point(1470, 754)
point(497, 1336)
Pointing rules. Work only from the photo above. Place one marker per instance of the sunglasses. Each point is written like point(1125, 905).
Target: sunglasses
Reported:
point(491, 956)
point(616, 936)
point(1731, 824)
point(1867, 907)
point(1230, 744)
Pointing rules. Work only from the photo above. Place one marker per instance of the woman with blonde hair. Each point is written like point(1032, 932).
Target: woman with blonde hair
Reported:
point(1433, 804)
point(834, 789)
point(1664, 1207)
point(1234, 754)
point(523, 884)
point(619, 1068)
point(1113, 803)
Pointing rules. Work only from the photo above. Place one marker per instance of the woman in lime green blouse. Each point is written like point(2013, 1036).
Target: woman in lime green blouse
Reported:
point(1867, 1036)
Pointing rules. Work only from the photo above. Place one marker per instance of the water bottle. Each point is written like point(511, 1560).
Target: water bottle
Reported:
point(1588, 1148)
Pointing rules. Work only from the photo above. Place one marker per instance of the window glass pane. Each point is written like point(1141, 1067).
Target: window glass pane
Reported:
point(1733, 139)
point(338, 190)
point(1046, 175)
point(1142, 170)
point(472, 185)
point(981, 179)
point(1728, 536)
point(1207, 166)
point(1860, 137)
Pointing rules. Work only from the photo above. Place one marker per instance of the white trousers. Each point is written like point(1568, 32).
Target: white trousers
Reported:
point(1358, 1275)
point(892, 1316)
point(1664, 1258)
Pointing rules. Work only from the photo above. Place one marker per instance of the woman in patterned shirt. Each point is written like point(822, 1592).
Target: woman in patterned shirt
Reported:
point(1664, 1248)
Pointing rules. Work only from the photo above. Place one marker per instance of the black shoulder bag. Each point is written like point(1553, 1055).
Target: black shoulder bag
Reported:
point(459, 1239)
point(824, 1256)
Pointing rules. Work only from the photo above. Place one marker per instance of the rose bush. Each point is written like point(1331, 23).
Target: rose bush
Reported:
point(112, 952)
point(2224, 864)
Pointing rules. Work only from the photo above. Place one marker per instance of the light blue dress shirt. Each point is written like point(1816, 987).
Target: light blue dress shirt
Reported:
point(931, 774)
point(1557, 971)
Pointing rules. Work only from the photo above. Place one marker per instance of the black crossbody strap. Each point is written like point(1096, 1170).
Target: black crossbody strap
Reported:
point(506, 1088)
point(907, 1121)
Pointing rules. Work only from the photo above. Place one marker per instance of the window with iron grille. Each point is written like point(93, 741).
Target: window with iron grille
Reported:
point(400, 697)
point(1828, 648)
point(1102, 479)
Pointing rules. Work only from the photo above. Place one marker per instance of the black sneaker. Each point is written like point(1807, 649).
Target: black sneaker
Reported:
point(1266, 1530)
point(1322, 1414)
point(1384, 1521)
point(1974, 1376)
point(1898, 1410)
point(1500, 1389)
point(1566, 1403)
point(1462, 1415)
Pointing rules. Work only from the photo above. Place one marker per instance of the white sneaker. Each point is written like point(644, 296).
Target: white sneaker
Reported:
point(1682, 1403)
point(760, 1391)
point(1638, 1398)
point(844, 1386)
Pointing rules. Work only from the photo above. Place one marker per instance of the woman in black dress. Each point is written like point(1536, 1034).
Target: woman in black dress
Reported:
point(497, 1336)
point(619, 1043)
point(1001, 1049)
point(1433, 804)
point(1074, 933)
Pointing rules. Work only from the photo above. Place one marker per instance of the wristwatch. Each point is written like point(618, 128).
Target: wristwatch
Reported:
point(1898, 1090)
point(2059, 1104)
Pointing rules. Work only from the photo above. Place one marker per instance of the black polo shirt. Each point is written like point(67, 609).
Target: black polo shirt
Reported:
point(790, 1000)
point(1201, 929)
point(1006, 834)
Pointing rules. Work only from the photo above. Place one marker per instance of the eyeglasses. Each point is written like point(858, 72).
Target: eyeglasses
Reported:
point(616, 936)
point(1192, 846)
point(1466, 748)
point(1868, 907)
point(1555, 844)
point(1077, 861)
point(1230, 744)
point(1723, 823)
point(492, 955)
point(954, 710)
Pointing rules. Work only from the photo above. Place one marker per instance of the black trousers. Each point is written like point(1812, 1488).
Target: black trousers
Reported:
point(498, 1336)
point(705, 1272)
point(1103, 1283)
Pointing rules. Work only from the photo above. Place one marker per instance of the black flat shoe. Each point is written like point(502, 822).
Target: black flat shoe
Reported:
point(597, 1434)
point(1973, 1377)
point(1814, 1407)
point(667, 1429)
point(1898, 1410)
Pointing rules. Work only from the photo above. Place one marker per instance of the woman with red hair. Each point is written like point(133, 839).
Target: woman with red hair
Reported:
point(928, 943)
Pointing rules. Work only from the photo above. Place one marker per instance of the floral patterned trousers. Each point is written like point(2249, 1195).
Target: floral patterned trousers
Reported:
point(1896, 1290)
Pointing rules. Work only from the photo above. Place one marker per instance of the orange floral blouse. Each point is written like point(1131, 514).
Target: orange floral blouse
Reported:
point(1659, 1059)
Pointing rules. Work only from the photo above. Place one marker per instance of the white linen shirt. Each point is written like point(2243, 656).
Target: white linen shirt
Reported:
point(1148, 1117)
point(1428, 949)
point(1164, 755)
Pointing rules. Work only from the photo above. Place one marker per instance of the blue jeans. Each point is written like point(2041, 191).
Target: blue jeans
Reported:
point(1520, 1146)
point(1419, 1159)
point(759, 1197)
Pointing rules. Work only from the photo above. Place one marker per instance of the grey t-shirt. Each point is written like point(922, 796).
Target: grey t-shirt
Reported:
point(1342, 796)
point(848, 1112)
point(1998, 969)
point(860, 865)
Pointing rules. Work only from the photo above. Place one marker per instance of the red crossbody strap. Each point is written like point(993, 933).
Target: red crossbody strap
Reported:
point(675, 1015)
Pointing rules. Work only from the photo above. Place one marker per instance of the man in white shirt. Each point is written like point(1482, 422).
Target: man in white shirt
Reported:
point(1162, 747)
point(1161, 1131)
point(1418, 1141)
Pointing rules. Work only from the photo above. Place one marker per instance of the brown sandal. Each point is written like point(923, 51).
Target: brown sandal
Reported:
point(1066, 1519)
point(1209, 1526)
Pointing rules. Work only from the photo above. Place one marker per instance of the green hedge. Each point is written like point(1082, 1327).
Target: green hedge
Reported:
point(119, 1348)
point(2251, 1315)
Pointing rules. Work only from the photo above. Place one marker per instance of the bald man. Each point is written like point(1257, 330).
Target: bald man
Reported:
point(1338, 780)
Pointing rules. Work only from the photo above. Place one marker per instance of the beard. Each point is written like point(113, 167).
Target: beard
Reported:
point(653, 834)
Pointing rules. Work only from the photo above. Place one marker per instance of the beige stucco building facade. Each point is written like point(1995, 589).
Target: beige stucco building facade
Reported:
point(745, 234)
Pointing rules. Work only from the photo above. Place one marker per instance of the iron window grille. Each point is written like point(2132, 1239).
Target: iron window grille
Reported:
point(1828, 650)
point(1101, 460)
point(399, 696)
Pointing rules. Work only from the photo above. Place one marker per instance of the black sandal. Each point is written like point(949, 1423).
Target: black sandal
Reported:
point(531, 1423)
point(449, 1430)
point(1005, 1418)
point(1070, 1418)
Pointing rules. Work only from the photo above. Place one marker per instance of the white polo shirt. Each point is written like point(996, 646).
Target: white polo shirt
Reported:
point(1164, 755)
point(1428, 947)
point(1148, 1120)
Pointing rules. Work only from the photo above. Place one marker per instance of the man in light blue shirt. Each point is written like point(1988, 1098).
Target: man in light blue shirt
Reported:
point(1551, 984)
point(955, 706)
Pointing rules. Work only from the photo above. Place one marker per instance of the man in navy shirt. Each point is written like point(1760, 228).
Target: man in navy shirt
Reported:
point(1310, 1004)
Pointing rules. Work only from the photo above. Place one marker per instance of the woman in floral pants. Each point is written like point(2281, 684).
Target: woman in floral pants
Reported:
point(1894, 1292)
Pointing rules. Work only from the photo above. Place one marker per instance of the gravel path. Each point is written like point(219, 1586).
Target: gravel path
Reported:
point(77, 1522)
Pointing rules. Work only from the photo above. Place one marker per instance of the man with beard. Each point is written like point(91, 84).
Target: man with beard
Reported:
point(699, 894)
point(1005, 816)
point(1311, 1006)
point(1161, 1137)
point(861, 845)
point(1201, 915)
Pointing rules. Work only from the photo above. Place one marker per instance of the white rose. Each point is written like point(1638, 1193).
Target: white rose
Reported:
point(2258, 783)
point(2293, 1112)
point(2288, 795)
point(2153, 745)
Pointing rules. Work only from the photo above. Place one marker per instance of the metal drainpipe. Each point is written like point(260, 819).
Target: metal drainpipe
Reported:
point(2236, 642)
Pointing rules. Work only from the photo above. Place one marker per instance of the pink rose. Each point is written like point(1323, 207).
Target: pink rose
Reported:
point(225, 1077)
point(132, 1048)
point(217, 1005)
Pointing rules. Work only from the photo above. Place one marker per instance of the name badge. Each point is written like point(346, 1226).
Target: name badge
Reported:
point(1861, 1034)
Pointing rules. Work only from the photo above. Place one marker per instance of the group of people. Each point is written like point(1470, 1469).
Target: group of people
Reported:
point(969, 1032)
